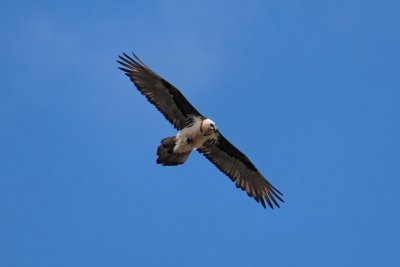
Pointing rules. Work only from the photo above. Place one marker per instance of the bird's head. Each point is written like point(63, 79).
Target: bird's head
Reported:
point(208, 127)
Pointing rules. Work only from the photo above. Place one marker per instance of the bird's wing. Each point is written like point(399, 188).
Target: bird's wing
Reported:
point(232, 162)
point(166, 97)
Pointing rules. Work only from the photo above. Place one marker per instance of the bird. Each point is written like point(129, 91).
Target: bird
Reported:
point(196, 132)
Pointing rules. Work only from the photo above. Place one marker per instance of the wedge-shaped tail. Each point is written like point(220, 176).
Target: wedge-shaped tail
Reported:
point(166, 154)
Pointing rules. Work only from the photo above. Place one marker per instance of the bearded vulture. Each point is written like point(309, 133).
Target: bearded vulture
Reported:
point(196, 132)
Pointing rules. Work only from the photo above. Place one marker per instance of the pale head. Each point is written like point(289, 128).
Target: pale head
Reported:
point(208, 127)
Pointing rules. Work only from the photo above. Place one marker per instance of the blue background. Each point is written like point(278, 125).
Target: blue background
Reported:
point(309, 90)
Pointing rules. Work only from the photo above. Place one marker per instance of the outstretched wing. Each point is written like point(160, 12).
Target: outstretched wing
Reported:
point(241, 170)
point(166, 97)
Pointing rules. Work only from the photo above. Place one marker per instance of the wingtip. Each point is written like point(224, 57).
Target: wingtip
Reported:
point(139, 60)
point(126, 71)
point(276, 195)
point(125, 55)
point(276, 190)
point(263, 202)
point(269, 202)
point(271, 197)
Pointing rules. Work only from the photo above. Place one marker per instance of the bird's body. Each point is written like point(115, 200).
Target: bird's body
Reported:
point(196, 132)
point(195, 135)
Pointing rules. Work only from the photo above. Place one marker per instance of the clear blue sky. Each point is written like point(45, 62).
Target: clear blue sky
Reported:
point(309, 90)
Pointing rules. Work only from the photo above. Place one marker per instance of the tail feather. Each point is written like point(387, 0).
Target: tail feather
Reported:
point(166, 154)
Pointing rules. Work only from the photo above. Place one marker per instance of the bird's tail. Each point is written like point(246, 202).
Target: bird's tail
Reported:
point(166, 154)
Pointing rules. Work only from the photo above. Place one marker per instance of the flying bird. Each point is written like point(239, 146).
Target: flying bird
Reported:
point(196, 132)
